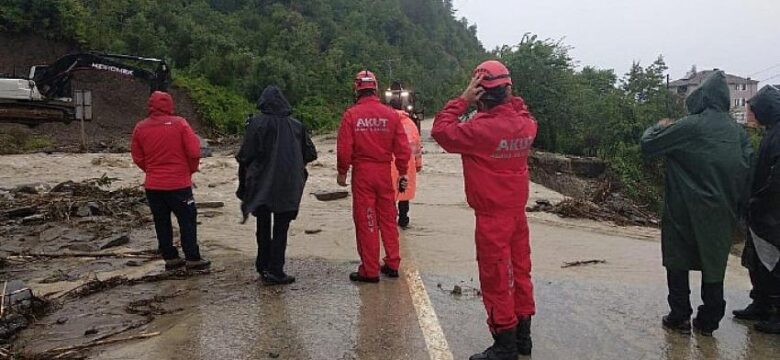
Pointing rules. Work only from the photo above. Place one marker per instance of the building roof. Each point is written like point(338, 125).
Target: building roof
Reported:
point(699, 77)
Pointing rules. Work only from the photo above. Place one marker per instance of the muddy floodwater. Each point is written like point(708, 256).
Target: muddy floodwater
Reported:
point(609, 310)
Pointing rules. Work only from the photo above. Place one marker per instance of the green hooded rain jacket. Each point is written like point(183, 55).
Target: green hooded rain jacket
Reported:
point(707, 180)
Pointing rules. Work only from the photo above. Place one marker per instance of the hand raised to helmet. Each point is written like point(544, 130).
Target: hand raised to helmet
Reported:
point(474, 91)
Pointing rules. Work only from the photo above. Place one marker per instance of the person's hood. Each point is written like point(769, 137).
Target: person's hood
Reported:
point(712, 94)
point(160, 103)
point(519, 104)
point(766, 106)
point(273, 102)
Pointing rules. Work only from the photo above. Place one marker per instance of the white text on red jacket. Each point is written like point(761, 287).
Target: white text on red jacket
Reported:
point(513, 148)
point(372, 125)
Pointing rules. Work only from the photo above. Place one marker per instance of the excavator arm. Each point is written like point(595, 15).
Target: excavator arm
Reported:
point(53, 81)
point(46, 95)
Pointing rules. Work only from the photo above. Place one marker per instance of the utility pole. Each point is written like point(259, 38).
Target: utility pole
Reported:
point(667, 96)
point(389, 63)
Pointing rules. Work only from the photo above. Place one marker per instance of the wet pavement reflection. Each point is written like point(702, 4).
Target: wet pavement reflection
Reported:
point(598, 320)
point(324, 316)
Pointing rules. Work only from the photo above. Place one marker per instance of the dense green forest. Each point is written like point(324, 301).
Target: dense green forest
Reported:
point(227, 51)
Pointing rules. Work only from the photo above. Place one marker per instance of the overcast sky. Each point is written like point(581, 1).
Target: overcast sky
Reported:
point(741, 37)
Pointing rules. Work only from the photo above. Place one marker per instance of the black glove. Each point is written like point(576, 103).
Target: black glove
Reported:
point(403, 183)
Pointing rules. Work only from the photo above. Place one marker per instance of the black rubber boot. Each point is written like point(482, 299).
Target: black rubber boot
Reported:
point(772, 324)
point(753, 312)
point(711, 312)
point(403, 214)
point(356, 277)
point(504, 347)
point(680, 325)
point(388, 271)
point(524, 343)
point(173, 264)
point(198, 265)
point(269, 279)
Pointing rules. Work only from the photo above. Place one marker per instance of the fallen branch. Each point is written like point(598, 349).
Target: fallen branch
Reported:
point(581, 263)
point(125, 329)
point(149, 254)
point(94, 286)
point(210, 205)
point(96, 343)
point(2, 299)
point(66, 354)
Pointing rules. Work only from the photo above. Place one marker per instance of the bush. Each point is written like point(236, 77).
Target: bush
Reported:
point(18, 141)
point(318, 114)
point(222, 109)
point(641, 181)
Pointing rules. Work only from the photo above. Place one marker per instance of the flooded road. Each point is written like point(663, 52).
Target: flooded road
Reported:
point(603, 311)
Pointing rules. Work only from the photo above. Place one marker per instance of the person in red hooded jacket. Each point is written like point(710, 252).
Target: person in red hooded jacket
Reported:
point(494, 146)
point(370, 134)
point(168, 151)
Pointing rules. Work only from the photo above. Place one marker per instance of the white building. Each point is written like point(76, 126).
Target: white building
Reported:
point(741, 89)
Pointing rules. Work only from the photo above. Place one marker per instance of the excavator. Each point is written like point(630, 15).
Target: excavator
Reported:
point(46, 94)
point(408, 101)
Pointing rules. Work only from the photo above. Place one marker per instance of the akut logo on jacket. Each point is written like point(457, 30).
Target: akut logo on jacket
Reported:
point(372, 124)
point(513, 148)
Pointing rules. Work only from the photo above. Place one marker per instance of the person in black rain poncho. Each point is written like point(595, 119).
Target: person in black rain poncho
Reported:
point(272, 174)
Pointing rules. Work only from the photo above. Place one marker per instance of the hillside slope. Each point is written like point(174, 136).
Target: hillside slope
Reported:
point(118, 102)
point(310, 48)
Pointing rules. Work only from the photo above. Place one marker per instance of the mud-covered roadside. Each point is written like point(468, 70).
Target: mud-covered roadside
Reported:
point(593, 192)
point(78, 260)
point(56, 239)
point(77, 238)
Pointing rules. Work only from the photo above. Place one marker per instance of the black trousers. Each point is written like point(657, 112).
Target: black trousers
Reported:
point(766, 287)
point(272, 240)
point(403, 210)
point(714, 305)
point(182, 204)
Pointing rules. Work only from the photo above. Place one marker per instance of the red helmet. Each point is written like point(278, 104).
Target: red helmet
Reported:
point(365, 80)
point(494, 74)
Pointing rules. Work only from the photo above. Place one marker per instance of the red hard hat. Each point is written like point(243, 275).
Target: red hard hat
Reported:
point(494, 74)
point(365, 80)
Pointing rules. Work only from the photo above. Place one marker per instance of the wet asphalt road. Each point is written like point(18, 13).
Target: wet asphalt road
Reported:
point(323, 316)
point(604, 311)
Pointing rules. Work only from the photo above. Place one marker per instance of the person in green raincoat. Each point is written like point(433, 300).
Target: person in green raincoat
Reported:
point(707, 181)
point(762, 248)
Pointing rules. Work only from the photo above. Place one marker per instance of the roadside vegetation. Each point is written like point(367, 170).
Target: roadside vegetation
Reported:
point(225, 52)
point(18, 141)
point(594, 112)
point(311, 49)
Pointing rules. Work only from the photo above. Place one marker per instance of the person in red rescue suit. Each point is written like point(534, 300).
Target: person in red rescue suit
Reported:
point(415, 165)
point(494, 146)
point(370, 135)
point(168, 151)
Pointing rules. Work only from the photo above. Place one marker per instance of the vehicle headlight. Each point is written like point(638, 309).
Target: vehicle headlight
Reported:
point(404, 93)
point(409, 108)
point(388, 94)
